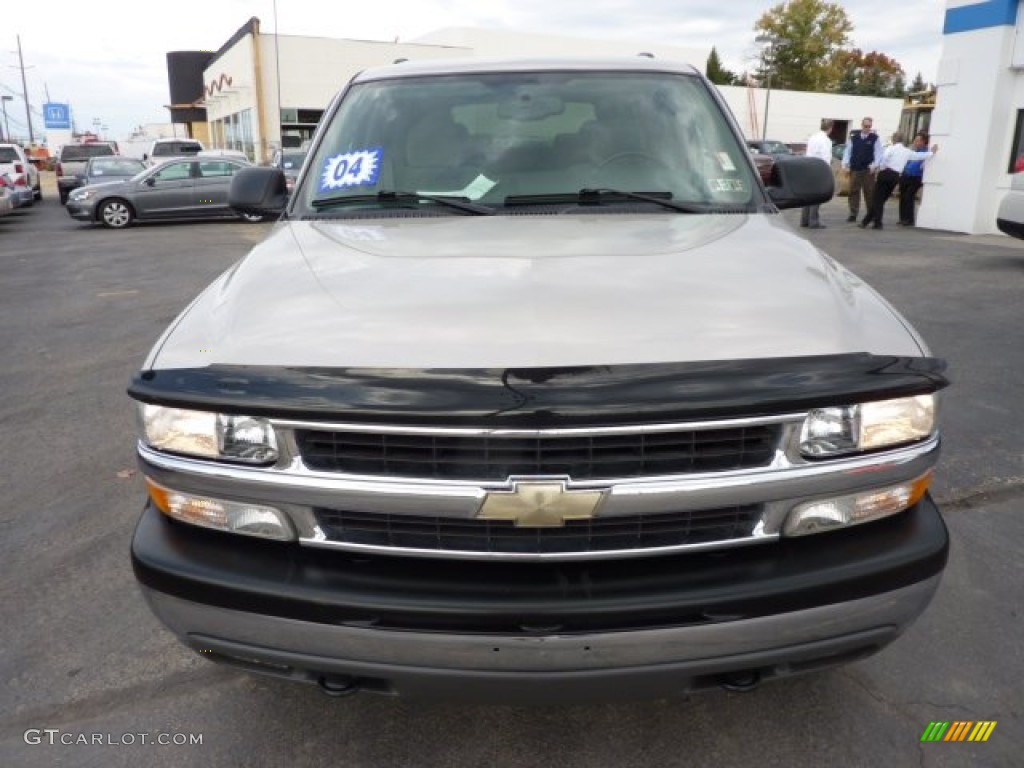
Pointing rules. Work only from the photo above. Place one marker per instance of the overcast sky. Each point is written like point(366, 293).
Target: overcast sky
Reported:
point(108, 59)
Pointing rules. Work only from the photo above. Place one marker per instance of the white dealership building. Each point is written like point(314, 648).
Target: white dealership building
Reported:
point(260, 90)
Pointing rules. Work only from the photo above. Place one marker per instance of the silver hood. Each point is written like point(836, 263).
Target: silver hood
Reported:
point(531, 291)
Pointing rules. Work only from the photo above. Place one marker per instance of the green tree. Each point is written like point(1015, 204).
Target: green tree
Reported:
point(716, 73)
point(808, 38)
point(917, 85)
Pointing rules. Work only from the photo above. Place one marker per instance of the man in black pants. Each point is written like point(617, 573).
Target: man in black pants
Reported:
point(894, 159)
point(861, 158)
point(912, 180)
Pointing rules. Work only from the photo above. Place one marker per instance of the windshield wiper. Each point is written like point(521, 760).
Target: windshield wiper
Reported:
point(391, 196)
point(597, 196)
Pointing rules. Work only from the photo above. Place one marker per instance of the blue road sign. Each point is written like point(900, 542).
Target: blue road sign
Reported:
point(57, 116)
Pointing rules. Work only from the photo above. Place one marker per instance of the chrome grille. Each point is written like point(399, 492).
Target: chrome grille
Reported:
point(609, 534)
point(579, 456)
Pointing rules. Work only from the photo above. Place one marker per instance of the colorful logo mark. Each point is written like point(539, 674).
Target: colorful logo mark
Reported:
point(959, 730)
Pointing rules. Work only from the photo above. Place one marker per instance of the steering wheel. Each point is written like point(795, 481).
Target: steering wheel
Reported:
point(641, 156)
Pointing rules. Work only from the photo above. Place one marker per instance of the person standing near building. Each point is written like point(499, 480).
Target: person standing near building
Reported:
point(912, 180)
point(862, 156)
point(819, 145)
point(894, 160)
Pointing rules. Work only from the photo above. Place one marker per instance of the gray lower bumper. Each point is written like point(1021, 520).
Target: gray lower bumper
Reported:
point(629, 664)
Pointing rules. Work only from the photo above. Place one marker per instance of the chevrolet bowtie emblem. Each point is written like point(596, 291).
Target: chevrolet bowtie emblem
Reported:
point(540, 504)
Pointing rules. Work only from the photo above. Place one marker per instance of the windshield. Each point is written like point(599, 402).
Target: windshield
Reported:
point(115, 166)
point(292, 159)
point(522, 137)
point(176, 148)
point(84, 151)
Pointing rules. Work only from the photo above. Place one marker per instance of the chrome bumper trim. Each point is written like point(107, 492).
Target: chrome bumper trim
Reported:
point(779, 487)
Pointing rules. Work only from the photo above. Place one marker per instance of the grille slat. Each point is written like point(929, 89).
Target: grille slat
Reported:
point(503, 537)
point(591, 457)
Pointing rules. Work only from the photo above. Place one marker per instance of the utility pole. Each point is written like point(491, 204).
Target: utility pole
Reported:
point(7, 128)
point(24, 92)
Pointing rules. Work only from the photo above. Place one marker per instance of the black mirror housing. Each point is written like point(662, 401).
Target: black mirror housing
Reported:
point(798, 181)
point(258, 190)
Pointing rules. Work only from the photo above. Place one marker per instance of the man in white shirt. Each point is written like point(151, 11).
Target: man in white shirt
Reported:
point(820, 146)
point(894, 160)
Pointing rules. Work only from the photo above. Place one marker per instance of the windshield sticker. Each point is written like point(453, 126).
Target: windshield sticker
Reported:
point(727, 185)
point(358, 168)
point(476, 189)
point(725, 161)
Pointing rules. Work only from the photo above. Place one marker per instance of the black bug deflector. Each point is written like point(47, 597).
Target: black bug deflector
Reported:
point(544, 397)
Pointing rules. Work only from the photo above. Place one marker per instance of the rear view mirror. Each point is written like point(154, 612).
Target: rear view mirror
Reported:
point(797, 181)
point(258, 190)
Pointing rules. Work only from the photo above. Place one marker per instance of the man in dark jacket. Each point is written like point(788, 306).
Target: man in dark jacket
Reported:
point(861, 158)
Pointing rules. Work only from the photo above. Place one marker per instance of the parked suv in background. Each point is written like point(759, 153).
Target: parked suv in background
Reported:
point(71, 162)
point(165, 149)
point(1010, 217)
point(24, 175)
point(534, 394)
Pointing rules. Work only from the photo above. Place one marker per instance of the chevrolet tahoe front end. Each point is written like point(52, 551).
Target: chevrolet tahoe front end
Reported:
point(507, 418)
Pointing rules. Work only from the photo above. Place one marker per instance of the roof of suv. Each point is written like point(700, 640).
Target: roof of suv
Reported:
point(85, 151)
point(460, 66)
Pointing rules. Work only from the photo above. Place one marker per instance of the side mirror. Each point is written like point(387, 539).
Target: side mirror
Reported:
point(149, 182)
point(145, 156)
point(797, 181)
point(258, 190)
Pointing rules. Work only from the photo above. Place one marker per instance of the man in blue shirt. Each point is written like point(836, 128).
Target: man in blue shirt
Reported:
point(911, 180)
point(862, 156)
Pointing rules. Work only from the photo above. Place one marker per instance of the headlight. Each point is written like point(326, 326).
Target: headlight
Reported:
point(847, 429)
point(81, 195)
point(208, 435)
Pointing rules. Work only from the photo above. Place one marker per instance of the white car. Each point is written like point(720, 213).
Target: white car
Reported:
point(14, 162)
point(1010, 218)
point(6, 197)
point(162, 150)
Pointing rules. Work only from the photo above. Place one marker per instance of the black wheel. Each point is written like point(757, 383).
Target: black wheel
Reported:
point(37, 193)
point(116, 214)
point(63, 196)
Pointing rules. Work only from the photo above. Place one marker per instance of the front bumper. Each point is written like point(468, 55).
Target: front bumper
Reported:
point(85, 211)
point(541, 631)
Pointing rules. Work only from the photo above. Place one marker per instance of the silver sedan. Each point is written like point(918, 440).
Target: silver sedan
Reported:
point(187, 188)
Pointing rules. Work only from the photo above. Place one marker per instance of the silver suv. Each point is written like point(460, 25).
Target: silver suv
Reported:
point(533, 394)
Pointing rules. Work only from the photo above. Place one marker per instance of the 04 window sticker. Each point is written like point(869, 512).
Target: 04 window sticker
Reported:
point(357, 168)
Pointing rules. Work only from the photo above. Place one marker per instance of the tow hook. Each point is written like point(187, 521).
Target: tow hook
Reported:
point(337, 687)
point(742, 682)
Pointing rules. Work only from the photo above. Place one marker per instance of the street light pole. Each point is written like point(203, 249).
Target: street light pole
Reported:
point(772, 42)
point(24, 90)
point(7, 128)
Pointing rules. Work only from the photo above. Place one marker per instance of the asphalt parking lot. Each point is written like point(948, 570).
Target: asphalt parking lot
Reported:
point(82, 658)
